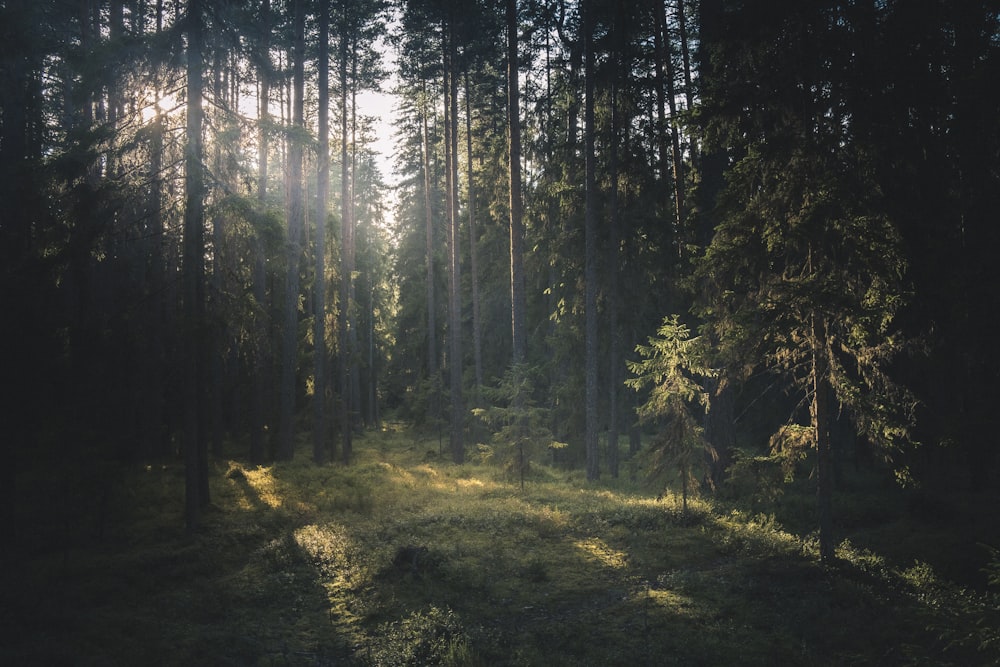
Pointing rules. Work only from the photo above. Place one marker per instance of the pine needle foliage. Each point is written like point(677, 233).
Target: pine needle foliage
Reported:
point(673, 368)
point(519, 425)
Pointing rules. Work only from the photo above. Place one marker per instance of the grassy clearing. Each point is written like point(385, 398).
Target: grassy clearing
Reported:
point(407, 559)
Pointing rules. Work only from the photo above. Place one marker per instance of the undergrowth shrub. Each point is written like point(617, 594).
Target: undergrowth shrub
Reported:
point(433, 637)
point(329, 548)
point(756, 536)
point(966, 623)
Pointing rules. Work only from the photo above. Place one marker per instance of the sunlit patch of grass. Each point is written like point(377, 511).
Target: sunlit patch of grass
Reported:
point(670, 600)
point(258, 484)
point(758, 535)
point(598, 550)
point(402, 558)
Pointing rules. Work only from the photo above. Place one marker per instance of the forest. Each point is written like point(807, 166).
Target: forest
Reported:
point(664, 335)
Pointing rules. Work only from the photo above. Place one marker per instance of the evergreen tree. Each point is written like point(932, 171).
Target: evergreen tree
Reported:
point(805, 272)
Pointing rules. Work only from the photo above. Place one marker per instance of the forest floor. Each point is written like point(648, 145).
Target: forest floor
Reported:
point(406, 559)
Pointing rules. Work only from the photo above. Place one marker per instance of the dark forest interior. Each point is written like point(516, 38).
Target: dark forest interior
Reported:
point(665, 334)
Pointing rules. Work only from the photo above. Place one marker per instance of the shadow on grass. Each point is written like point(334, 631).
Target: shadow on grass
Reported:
point(406, 560)
point(449, 566)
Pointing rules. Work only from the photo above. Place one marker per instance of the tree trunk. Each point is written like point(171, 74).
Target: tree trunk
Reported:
point(685, 61)
point(615, 362)
point(821, 426)
point(261, 334)
point(346, 254)
point(193, 274)
point(432, 361)
point(322, 190)
point(296, 222)
point(590, 252)
point(216, 380)
point(666, 97)
point(457, 437)
point(517, 280)
point(353, 326)
point(477, 336)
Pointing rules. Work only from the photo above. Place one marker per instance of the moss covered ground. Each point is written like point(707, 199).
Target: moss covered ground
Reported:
point(406, 559)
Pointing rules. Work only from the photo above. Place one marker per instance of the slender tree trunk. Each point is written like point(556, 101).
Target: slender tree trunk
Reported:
point(517, 278)
point(260, 375)
point(216, 332)
point(373, 418)
point(432, 365)
point(614, 247)
point(155, 444)
point(590, 253)
point(685, 54)
point(457, 435)
point(821, 427)
point(477, 336)
point(666, 94)
point(193, 273)
point(346, 267)
point(686, 64)
point(296, 222)
point(353, 325)
point(322, 190)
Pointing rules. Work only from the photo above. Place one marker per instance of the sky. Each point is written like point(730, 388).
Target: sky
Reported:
point(382, 106)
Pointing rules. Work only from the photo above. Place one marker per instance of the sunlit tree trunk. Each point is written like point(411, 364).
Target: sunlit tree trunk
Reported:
point(217, 329)
point(322, 190)
point(432, 361)
point(457, 430)
point(260, 375)
point(517, 279)
point(353, 321)
point(154, 443)
point(346, 252)
point(477, 336)
point(193, 274)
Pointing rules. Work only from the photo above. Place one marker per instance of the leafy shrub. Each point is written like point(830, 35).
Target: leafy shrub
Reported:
point(434, 637)
point(757, 536)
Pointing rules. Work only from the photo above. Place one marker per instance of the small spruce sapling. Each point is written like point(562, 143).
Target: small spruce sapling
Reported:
point(673, 368)
point(516, 421)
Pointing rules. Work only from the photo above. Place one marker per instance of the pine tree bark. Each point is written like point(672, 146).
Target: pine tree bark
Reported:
point(432, 360)
point(260, 374)
point(590, 252)
point(821, 428)
point(193, 274)
point(296, 222)
point(477, 336)
point(665, 90)
point(346, 254)
point(457, 431)
point(322, 191)
point(518, 298)
point(614, 245)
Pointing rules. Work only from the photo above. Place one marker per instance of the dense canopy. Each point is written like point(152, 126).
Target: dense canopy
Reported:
point(710, 233)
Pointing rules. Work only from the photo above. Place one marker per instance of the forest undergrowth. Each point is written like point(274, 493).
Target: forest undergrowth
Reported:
point(407, 559)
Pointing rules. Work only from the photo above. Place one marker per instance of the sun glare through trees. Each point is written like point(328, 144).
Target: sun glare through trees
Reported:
point(478, 332)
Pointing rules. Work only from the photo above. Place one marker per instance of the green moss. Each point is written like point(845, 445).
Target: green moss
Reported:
point(405, 559)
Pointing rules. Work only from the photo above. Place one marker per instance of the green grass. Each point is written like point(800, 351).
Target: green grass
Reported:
point(404, 558)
